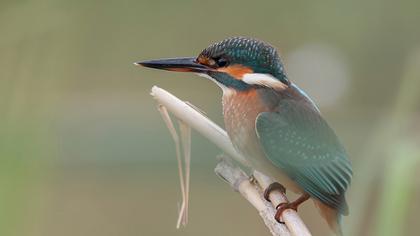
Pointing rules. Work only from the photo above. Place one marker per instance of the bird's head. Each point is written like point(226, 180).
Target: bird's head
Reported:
point(237, 63)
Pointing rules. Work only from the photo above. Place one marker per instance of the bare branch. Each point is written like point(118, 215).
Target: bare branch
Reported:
point(290, 217)
point(182, 215)
point(240, 182)
point(197, 121)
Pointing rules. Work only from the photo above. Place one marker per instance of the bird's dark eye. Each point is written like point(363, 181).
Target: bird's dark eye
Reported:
point(221, 62)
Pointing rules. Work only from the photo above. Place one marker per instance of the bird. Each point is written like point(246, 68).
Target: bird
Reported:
point(274, 123)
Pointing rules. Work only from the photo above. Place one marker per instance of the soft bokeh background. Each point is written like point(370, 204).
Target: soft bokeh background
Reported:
point(83, 150)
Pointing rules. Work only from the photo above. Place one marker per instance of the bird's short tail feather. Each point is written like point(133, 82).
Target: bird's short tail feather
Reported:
point(332, 216)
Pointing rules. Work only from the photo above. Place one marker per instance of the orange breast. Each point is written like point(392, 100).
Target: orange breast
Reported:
point(240, 110)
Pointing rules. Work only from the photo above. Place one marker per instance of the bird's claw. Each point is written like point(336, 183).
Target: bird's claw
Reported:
point(289, 205)
point(272, 187)
point(282, 207)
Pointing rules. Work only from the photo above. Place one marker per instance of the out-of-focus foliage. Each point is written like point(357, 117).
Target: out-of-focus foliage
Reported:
point(83, 150)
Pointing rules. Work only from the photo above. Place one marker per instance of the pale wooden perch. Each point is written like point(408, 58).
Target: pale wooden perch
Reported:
point(240, 182)
point(290, 217)
point(237, 179)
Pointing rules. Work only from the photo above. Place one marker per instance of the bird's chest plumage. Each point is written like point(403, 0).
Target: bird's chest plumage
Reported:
point(240, 110)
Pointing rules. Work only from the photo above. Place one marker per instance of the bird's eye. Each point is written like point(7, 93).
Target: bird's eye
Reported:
point(221, 62)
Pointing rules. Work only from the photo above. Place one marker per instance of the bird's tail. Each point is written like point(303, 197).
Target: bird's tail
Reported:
point(332, 216)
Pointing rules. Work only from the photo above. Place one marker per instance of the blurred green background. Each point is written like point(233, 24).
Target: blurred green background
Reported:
point(83, 150)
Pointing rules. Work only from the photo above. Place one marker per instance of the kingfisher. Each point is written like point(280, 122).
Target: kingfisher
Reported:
point(274, 123)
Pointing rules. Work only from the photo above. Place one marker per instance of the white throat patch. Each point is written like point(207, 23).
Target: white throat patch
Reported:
point(266, 80)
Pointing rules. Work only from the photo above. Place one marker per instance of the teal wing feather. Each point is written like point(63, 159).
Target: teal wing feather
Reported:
point(298, 140)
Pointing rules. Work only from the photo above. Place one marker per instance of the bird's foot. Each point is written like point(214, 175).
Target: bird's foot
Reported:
point(289, 205)
point(272, 187)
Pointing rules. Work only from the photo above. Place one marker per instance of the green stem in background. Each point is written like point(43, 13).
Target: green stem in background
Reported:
point(388, 132)
point(397, 190)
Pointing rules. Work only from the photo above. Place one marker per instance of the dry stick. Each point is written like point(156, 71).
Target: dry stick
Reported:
point(198, 121)
point(218, 136)
point(185, 131)
point(290, 216)
point(240, 182)
point(175, 137)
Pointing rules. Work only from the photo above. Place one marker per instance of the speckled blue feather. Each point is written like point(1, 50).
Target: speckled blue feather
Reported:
point(298, 140)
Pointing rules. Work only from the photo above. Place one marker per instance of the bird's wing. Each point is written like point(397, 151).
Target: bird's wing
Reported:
point(297, 139)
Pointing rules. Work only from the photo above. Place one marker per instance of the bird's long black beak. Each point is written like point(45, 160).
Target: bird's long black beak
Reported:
point(184, 64)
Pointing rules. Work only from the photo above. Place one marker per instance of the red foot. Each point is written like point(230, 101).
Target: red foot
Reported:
point(290, 205)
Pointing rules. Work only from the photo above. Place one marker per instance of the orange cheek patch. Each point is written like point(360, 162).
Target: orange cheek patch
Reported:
point(205, 61)
point(236, 71)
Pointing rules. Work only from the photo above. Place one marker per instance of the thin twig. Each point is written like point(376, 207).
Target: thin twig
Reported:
point(182, 209)
point(240, 182)
point(290, 216)
point(185, 131)
point(197, 121)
